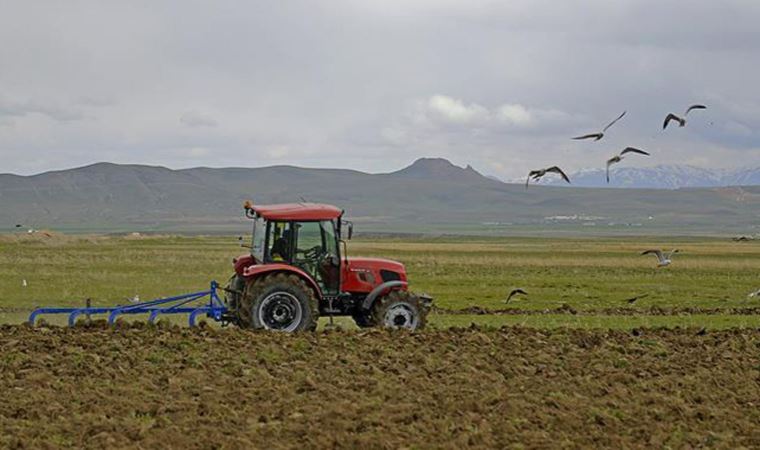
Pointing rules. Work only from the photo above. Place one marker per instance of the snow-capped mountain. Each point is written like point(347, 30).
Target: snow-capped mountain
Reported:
point(661, 177)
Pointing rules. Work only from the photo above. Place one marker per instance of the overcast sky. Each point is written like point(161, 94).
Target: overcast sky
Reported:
point(373, 85)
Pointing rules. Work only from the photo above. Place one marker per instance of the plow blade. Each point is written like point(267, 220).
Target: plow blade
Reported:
point(193, 304)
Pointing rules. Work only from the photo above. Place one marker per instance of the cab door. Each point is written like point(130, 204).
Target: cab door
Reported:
point(316, 253)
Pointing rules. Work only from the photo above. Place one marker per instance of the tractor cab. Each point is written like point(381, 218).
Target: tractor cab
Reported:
point(303, 235)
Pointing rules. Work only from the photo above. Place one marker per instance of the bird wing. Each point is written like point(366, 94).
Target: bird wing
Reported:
point(657, 253)
point(633, 150)
point(670, 117)
point(693, 107)
point(534, 174)
point(596, 136)
point(556, 169)
point(672, 252)
point(614, 121)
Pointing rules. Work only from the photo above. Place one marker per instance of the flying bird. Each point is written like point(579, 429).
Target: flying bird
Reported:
point(632, 300)
point(681, 120)
point(537, 174)
point(514, 292)
point(663, 259)
point(18, 225)
point(754, 294)
point(702, 331)
point(599, 135)
point(620, 156)
point(743, 238)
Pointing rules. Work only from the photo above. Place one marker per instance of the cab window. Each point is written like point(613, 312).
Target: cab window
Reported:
point(280, 242)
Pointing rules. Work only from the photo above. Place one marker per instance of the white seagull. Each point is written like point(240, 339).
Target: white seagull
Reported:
point(599, 135)
point(664, 259)
point(619, 157)
point(681, 120)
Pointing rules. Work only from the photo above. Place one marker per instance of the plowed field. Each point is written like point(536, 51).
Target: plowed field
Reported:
point(171, 387)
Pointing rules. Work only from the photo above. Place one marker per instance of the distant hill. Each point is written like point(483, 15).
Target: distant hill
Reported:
point(663, 177)
point(431, 195)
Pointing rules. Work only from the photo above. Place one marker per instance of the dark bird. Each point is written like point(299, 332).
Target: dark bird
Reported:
point(702, 331)
point(514, 292)
point(18, 225)
point(663, 260)
point(633, 300)
point(620, 156)
point(681, 120)
point(537, 174)
point(599, 135)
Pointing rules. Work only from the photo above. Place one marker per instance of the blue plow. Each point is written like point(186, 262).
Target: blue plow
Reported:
point(197, 303)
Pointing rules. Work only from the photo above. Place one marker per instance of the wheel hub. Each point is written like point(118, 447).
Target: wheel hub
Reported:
point(401, 316)
point(280, 311)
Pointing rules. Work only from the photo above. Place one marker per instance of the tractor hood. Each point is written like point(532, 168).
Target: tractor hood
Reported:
point(374, 264)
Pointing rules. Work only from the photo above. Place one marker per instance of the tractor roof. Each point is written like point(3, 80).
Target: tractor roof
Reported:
point(298, 211)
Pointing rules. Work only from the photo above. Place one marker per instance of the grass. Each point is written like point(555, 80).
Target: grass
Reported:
point(586, 274)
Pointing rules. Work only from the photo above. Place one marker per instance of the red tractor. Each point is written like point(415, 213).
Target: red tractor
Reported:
point(298, 270)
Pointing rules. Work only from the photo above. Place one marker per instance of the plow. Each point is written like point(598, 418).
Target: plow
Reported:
point(193, 304)
point(296, 271)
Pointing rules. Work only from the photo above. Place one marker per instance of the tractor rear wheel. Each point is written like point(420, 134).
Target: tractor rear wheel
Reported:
point(400, 310)
point(280, 302)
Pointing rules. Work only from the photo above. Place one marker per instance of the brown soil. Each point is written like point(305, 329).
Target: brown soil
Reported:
point(170, 387)
point(621, 311)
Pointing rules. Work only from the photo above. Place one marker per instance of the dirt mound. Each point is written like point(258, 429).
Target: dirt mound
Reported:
point(143, 386)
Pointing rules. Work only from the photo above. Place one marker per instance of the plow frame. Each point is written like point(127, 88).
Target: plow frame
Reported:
point(180, 304)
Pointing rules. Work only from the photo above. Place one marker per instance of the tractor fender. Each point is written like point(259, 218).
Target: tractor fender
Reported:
point(263, 269)
point(381, 289)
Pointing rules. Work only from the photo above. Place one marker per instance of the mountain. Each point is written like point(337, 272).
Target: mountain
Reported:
point(431, 195)
point(663, 177)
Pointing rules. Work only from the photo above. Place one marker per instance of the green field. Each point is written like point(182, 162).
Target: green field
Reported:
point(590, 276)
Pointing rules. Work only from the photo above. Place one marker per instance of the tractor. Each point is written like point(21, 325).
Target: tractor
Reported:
point(298, 270)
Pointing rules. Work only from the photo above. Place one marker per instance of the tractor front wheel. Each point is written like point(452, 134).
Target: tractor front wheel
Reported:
point(400, 310)
point(280, 302)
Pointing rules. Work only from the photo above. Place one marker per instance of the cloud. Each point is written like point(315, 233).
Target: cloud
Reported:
point(455, 111)
point(442, 111)
point(514, 114)
point(194, 119)
point(11, 109)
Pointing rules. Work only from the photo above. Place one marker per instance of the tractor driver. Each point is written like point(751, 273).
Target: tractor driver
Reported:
point(281, 247)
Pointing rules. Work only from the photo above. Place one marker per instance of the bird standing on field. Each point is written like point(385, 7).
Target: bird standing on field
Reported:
point(663, 259)
point(633, 300)
point(537, 174)
point(754, 294)
point(514, 292)
point(24, 283)
point(135, 299)
point(681, 120)
point(599, 135)
point(620, 156)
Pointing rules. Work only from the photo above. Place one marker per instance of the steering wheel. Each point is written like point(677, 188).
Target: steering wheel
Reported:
point(313, 253)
